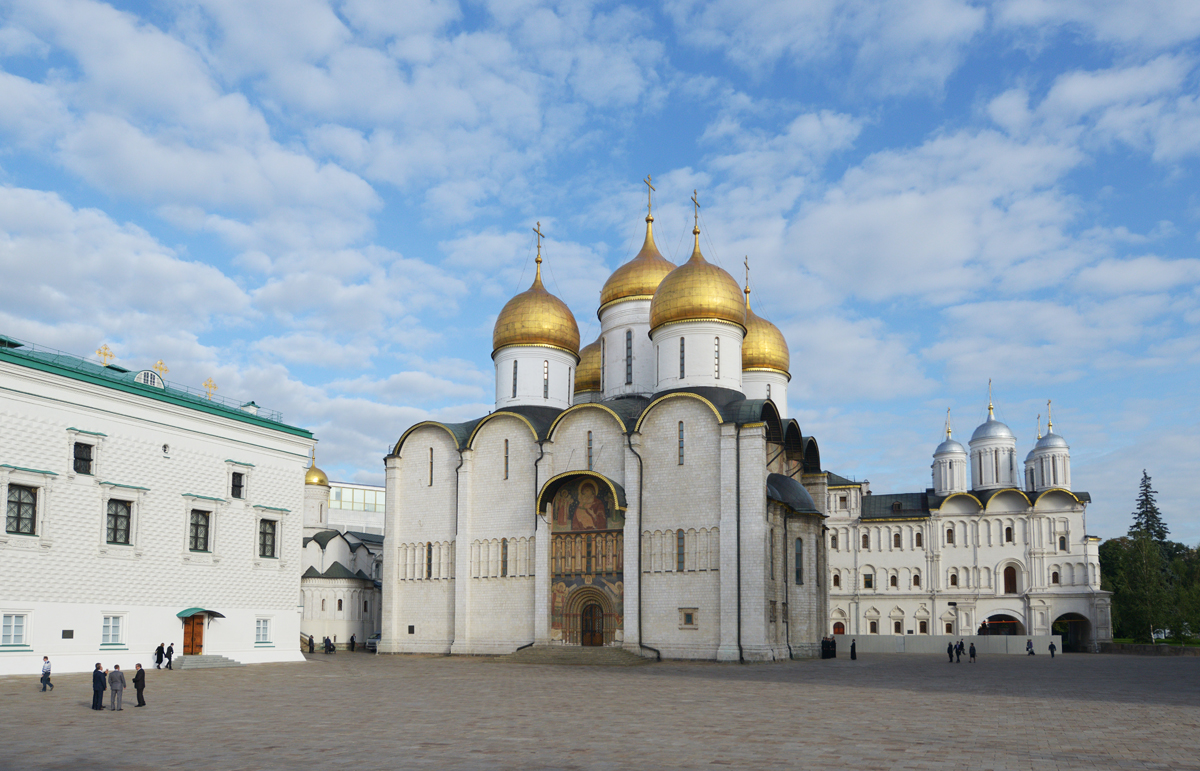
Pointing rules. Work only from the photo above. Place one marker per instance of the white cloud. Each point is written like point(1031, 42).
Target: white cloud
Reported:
point(896, 47)
point(1148, 273)
point(1144, 25)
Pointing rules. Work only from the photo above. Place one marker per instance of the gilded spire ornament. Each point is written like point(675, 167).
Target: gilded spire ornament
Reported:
point(947, 423)
point(537, 279)
point(160, 368)
point(105, 354)
point(639, 278)
point(764, 346)
point(991, 416)
point(210, 386)
point(536, 317)
point(746, 262)
point(649, 199)
point(1039, 425)
point(1049, 419)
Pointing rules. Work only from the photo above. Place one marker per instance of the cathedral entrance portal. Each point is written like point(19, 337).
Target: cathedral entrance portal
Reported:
point(592, 626)
point(193, 635)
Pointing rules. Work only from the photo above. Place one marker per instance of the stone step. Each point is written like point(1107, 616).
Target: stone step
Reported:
point(575, 655)
point(205, 661)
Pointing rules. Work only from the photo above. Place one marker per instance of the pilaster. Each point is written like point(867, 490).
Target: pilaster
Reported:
point(633, 552)
point(463, 585)
point(728, 648)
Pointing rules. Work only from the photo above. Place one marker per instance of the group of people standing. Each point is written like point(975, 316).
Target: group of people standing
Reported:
point(956, 650)
point(328, 645)
point(114, 682)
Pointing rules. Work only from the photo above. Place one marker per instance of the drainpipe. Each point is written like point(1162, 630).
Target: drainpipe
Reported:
point(458, 503)
point(641, 629)
point(536, 513)
point(787, 625)
point(737, 450)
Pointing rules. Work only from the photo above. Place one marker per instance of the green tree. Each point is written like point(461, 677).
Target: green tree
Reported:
point(1144, 592)
point(1147, 518)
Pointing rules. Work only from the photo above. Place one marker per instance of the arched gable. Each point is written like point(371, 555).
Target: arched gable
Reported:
point(558, 480)
point(426, 424)
point(1054, 492)
point(812, 455)
point(501, 414)
point(962, 504)
point(1008, 500)
point(586, 406)
point(677, 395)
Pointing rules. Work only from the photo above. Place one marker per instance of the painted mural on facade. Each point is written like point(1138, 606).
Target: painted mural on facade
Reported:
point(586, 560)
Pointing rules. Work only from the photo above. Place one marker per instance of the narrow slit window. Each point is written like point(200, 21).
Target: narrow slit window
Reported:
point(866, 541)
point(431, 467)
point(1008, 535)
point(800, 561)
point(628, 357)
point(589, 450)
point(545, 380)
point(919, 540)
point(771, 557)
point(837, 581)
point(950, 536)
point(680, 551)
point(429, 560)
point(833, 542)
point(514, 389)
point(768, 390)
point(506, 459)
point(504, 558)
point(717, 358)
point(917, 580)
point(681, 359)
point(681, 443)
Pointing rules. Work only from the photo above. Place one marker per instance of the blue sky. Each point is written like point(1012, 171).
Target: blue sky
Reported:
point(323, 206)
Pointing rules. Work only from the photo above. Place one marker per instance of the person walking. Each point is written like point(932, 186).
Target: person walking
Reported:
point(46, 674)
point(170, 654)
point(99, 681)
point(950, 651)
point(972, 652)
point(958, 652)
point(1053, 648)
point(158, 655)
point(1029, 647)
point(139, 684)
point(853, 650)
point(311, 647)
point(116, 687)
point(352, 643)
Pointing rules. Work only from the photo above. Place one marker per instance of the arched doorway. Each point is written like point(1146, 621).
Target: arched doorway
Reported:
point(1076, 632)
point(1002, 624)
point(591, 626)
point(839, 628)
point(1010, 580)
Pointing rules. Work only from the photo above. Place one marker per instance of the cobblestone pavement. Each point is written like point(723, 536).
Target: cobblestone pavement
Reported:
point(386, 712)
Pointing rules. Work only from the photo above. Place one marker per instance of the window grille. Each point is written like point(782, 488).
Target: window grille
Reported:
point(198, 531)
point(266, 537)
point(110, 632)
point(83, 458)
point(117, 526)
point(920, 540)
point(237, 484)
point(681, 360)
point(681, 443)
point(22, 510)
point(680, 550)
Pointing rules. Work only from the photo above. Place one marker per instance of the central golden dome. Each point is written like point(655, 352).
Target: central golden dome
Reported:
point(697, 291)
point(764, 346)
point(587, 374)
point(639, 278)
point(536, 317)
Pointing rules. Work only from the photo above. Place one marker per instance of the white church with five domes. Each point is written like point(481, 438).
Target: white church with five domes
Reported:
point(647, 491)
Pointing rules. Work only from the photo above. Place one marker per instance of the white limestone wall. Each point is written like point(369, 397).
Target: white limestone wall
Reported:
point(700, 355)
point(631, 316)
point(67, 577)
point(357, 616)
point(532, 363)
point(418, 594)
point(570, 442)
point(807, 602)
point(684, 497)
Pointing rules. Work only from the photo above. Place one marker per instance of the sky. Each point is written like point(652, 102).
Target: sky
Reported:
point(323, 206)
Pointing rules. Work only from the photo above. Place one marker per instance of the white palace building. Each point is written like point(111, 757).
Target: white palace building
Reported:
point(140, 512)
point(647, 491)
point(995, 547)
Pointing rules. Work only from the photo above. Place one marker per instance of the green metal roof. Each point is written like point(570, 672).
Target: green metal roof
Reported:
point(37, 357)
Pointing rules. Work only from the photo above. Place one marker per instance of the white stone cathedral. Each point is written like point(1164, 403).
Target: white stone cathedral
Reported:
point(986, 550)
point(647, 491)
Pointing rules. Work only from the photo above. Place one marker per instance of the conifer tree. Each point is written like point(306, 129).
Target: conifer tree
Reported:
point(1147, 518)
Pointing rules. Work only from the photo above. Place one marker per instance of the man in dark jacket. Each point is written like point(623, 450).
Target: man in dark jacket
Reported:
point(139, 684)
point(311, 646)
point(99, 683)
point(352, 643)
point(170, 653)
point(159, 652)
point(950, 651)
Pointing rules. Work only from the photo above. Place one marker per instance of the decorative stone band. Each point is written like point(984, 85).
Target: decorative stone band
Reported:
point(536, 345)
point(619, 300)
point(692, 321)
point(785, 373)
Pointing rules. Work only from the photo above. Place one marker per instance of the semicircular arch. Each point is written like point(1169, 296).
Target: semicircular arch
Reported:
point(500, 414)
point(425, 424)
point(584, 406)
point(677, 395)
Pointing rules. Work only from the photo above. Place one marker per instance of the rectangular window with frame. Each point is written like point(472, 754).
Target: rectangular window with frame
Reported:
point(120, 514)
point(83, 458)
point(22, 510)
point(110, 632)
point(12, 629)
point(628, 357)
point(266, 537)
point(869, 581)
point(237, 484)
point(198, 530)
point(262, 630)
point(799, 561)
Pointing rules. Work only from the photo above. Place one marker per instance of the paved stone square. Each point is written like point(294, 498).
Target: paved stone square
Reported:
point(881, 712)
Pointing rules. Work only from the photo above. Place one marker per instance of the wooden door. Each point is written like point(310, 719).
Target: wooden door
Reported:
point(592, 626)
point(193, 635)
point(839, 628)
point(1010, 580)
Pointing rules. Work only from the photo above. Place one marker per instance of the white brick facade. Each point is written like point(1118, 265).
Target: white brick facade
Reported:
point(165, 459)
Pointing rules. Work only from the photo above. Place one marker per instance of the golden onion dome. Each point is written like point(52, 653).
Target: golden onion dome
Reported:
point(697, 291)
point(536, 317)
point(764, 346)
point(315, 476)
point(639, 278)
point(587, 374)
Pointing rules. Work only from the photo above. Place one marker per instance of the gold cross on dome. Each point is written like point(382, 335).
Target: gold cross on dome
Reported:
point(160, 368)
point(540, 236)
point(649, 197)
point(695, 201)
point(210, 386)
point(105, 354)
